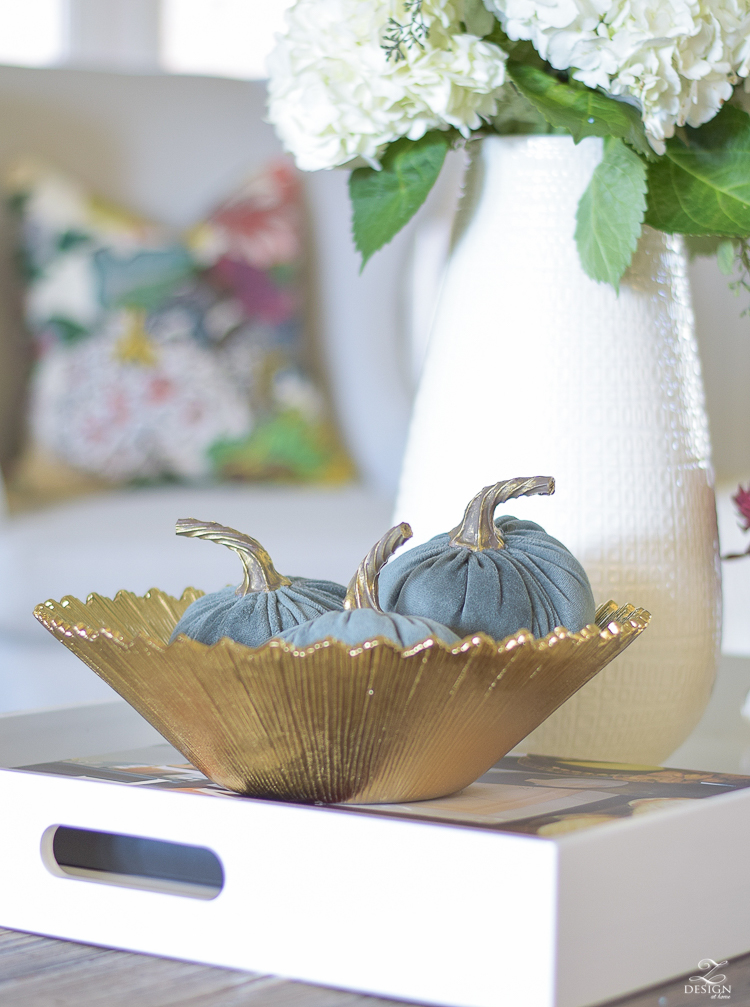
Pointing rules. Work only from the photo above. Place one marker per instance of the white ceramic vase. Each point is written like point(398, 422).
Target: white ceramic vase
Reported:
point(535, 369)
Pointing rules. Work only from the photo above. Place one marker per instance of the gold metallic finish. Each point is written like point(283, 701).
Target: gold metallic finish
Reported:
point(260, 573)
point(333, 723)
point(363, 587)
point(477, 530)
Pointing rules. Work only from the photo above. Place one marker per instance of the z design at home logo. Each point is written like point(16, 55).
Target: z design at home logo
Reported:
point(711, 982)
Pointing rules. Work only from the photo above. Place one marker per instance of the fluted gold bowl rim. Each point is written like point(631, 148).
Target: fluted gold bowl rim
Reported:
point(333, 723)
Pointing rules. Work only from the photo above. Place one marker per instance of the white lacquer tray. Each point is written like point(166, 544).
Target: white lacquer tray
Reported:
point(481, 900)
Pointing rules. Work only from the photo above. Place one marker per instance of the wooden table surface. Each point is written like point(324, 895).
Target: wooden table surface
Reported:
point(43, 972)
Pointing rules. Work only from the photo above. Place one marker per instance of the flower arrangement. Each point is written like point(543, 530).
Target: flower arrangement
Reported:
point(387, 87)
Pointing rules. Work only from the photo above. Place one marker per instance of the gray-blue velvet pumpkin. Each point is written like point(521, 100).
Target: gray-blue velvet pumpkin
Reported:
point(362, 618)
point(493, 576)
point(264, 605)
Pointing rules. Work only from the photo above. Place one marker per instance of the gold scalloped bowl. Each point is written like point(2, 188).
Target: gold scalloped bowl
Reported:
point(334, 723)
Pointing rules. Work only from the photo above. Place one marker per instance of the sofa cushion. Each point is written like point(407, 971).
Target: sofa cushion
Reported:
point(168, 355)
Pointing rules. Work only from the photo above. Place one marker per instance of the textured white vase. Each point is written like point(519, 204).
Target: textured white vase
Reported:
point(535, 369)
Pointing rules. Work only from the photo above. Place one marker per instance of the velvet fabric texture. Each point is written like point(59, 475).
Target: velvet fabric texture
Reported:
point(533, 583)
point(254, 618)
point(359, 624)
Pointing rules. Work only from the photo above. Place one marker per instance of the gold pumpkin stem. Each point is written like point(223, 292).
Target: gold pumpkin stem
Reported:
point(260, 573)
point(477, 530)
point(363, 587)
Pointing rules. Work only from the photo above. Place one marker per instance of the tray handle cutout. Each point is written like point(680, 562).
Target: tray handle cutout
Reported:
point(111, 858)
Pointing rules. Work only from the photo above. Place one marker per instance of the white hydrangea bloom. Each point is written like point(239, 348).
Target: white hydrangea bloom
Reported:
point(334, 95)
point(677, 58)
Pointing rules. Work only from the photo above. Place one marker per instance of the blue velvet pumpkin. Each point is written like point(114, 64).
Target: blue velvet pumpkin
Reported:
point(265, 604)
point(362, 618)
point(492, 576)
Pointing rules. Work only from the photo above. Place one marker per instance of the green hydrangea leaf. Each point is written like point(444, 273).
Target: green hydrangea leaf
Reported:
point(610, 213)
point(516, 115)
point(702, 184)
point(384, 201)
point(579, 109)
point(725, 257)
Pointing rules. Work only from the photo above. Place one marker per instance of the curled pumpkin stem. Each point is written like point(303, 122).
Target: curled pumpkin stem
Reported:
point(363, 587)
point(260, 573)
point(477, 530)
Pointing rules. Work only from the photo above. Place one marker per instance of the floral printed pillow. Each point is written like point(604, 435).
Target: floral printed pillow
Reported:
point(171, 356)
